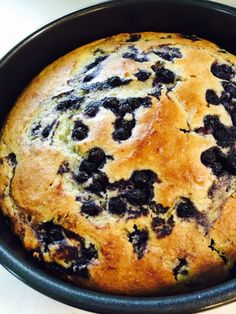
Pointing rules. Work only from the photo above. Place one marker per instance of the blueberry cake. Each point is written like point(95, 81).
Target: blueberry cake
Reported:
point(118, 165)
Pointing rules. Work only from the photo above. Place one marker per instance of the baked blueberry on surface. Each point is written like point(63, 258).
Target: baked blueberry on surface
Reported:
point(69, 102)
point(162, 227)
point(139, 238)
point(117, 206)
point(118, 165)
point(186, 209)
point(80, 131)
point(91, 209)
point(168, 53)
point(134, 54)
point(163, 76)
point(222, 71)
point(142, 75)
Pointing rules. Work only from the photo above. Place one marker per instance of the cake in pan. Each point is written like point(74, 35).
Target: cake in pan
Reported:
point(118, 164)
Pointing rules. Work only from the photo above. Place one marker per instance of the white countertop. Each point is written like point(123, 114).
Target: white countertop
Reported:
point(19, 18)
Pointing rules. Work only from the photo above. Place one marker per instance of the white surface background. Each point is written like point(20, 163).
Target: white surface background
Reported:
point(19, 18)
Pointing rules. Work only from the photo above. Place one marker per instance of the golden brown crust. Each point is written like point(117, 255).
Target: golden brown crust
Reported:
point(179, 233)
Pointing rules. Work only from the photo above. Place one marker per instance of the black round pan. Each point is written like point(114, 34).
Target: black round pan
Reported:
point(205, 19)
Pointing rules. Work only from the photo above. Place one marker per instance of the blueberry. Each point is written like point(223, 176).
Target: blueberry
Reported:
point(124, 107)
point(168, 53)
point(81, 177)
point(12, 159)
point(186, 209)
point(212, 246)
point(80, 131)
point(102, 178)
point(110, 103)
point(161, 227)
point(92, 109)
point(98, 50)
point(123, 129)
point(163, 75)
point(97, 156)
point(50, 233)
point(211, 97)
point(88, 167)
point(136, 197)
point(89, 77)
point(90, 208)
point(211, 121)
point(139, 239)
point(158, 208)
point(143, 177)
point(84, 257)
point(230, 162)
point(99, 183)
point(89, 253)
point(109, 83)
point(210, 156)
point(230, 87)
point(157, 221)
point(136, 102)
point(140, 177)
point(117, 206)
point(121, 185)
point(133, 38)
point(144, 101)
point(116, 81)
point(233, 117)
point(35, 130)
point(222, 71)
point(122, 134)
point(142, 75)
point(135, 56)
point(225, 136)
point(64, 168)
point(178, 270)
point(225, 98)
point(70, 102)
point(134, 213)
point(47, 130)
point(97, 61)
point(78, 256)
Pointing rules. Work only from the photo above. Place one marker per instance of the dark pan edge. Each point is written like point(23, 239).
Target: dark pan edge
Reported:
point(103, 303)
point(107, 3)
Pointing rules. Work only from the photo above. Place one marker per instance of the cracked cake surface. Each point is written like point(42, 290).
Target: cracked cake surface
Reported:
point(118, 164)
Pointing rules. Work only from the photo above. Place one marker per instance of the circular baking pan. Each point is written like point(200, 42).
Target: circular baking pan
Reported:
point(206, 19)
